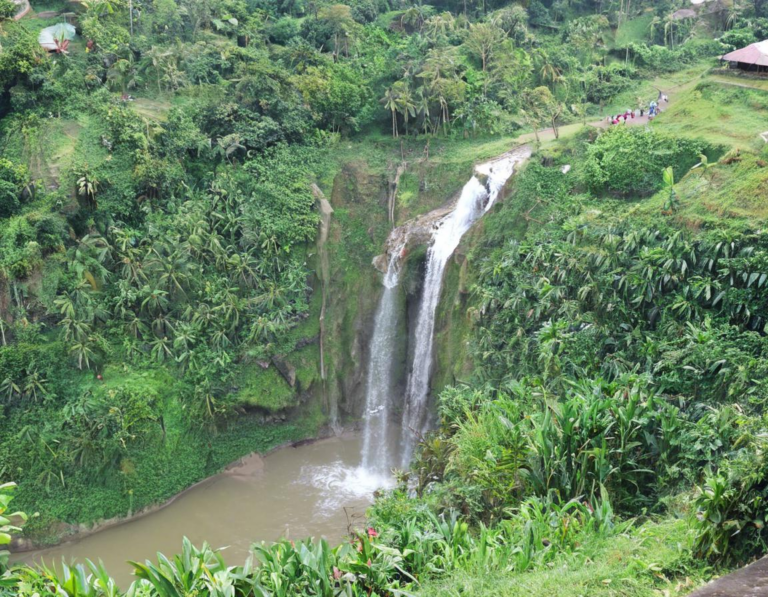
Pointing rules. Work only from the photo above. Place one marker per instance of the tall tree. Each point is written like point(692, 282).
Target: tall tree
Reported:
point(483, 40)
point(390, 101)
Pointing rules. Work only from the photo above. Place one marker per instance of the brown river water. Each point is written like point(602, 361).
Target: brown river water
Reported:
point(314, 490)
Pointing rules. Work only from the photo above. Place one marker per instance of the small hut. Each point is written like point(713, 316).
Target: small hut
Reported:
point(753, 58)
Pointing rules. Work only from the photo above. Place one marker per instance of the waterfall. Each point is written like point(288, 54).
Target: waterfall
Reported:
point(376, 456)
point(476, 199)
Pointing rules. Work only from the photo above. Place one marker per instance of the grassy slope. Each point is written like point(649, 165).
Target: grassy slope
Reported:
point(650, 560)
point(719, 112)
point(653, 559)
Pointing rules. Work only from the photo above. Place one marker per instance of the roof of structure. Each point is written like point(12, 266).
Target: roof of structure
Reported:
point(756, 53)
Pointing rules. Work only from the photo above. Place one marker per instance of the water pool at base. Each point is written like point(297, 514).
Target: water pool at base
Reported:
point(314, 490)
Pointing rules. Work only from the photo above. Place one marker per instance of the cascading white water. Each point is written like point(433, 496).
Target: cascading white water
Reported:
point(376, 457)
point(476, 199)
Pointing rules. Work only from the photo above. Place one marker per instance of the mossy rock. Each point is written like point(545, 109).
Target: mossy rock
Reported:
point(264, 388)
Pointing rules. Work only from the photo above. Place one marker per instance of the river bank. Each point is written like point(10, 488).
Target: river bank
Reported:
point(245, 465)
point(305, 489)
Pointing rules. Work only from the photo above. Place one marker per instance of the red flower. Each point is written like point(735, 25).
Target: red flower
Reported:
point(372, 532)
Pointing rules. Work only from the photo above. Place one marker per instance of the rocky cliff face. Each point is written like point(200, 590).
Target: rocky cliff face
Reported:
point(359, 200)
point(358, 233)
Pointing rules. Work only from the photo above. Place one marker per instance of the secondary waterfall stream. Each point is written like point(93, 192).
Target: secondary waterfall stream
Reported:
point(376, 456)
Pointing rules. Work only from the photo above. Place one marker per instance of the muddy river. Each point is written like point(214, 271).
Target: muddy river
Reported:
point(315, 490)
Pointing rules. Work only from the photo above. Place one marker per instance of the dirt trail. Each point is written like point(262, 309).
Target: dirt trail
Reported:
point(548, 134)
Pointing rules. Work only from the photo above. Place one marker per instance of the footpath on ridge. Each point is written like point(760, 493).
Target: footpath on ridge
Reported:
point(547, 134)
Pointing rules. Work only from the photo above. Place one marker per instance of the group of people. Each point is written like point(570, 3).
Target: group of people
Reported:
point(654, 109)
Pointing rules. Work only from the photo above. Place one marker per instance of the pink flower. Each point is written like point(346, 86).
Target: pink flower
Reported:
point(372, 533)
point(336, 573)
point(369, 562)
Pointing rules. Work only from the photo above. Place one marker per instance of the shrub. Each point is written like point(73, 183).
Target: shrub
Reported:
point(13, 178)
point(730, 517)
point(283, 30)
point(738, 38)
point(9, 199)
point(7, 9)
point(629, 161)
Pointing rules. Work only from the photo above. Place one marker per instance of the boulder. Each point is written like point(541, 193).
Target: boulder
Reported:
point(381, 263)
point(287, 370)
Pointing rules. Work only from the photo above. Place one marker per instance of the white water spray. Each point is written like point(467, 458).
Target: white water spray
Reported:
point(476, 199)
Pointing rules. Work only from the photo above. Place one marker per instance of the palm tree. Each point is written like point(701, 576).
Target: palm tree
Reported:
point(439, 26)
point(10, 388)
point(390, 101)
point(406, 105)
point(88, 186)
point(155, 300)
point(422, 106)
point(413, 18)
point(160, 349)
point(483, 40)
point(122, 74)
point(83, 352)
point(34, 385)
point(157, 58)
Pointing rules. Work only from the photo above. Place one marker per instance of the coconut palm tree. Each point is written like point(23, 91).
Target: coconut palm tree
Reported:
point(406, 105)
point(438, 27)
point(88, 186)
point(422, 108)
point(390, 101)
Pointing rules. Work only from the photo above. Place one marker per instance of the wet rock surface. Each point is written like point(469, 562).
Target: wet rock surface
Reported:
point(751, 581)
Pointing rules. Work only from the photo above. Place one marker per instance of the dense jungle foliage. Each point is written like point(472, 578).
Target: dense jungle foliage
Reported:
point(157, 263)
